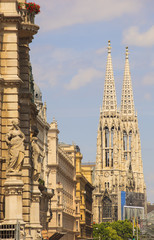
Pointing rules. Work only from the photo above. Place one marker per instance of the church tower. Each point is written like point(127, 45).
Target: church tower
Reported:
point(118, 171)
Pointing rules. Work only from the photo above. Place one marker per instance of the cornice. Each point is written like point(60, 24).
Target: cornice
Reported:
point(11, 82)
point(8, 18)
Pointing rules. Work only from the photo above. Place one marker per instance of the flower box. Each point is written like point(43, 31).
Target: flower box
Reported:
point(30, 7)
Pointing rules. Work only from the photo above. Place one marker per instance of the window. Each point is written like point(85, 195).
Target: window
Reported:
point(107, 185)
point(130, 139)
point(107, 158)
point(112, 158)
point(112, 133)
point(107, 207)
point(106, 137)
point(58, 219)
point(125, 156)
point(124, 140)
point(76, 225)
point(58, 200)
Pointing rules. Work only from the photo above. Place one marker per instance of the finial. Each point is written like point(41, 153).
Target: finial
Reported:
point(127, 52)
point(109, 47)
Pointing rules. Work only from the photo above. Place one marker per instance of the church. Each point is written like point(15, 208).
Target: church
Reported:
point(120, 191)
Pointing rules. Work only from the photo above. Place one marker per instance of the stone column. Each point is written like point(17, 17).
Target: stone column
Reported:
point(35, 212)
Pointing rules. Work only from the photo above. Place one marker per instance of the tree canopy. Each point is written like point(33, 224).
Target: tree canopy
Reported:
point(118, 230)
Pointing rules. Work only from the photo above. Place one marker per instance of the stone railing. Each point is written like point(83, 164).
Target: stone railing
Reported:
point(27, 17)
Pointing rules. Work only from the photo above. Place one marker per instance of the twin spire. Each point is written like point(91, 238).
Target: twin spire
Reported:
point(109, 98)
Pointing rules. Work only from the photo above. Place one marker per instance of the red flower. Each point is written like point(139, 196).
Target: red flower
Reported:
point(31, 7)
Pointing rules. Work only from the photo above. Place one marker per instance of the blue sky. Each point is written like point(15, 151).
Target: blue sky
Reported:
point(69, 55)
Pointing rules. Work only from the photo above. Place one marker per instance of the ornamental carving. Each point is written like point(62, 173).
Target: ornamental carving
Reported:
point(106, 174)
point(16, 151)
point(36, 154)
point(13, 191)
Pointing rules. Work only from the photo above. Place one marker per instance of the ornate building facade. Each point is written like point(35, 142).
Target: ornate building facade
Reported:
point(24, 188)
point(119, 168)
point(62, 176)
point(84, 190)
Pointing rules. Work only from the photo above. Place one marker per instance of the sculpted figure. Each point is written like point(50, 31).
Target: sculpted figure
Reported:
point(35, 157)
point(130, 179)
point(36, 153)
point(15, 141)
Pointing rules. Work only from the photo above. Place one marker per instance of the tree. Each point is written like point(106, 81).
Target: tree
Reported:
point(118, 230)
point(124, 229)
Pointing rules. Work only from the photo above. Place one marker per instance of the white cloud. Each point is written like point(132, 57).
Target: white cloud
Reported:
point(60, 13)
point(83, 77)
point(148, 79)
point(133, 37)
point(147, 96)
point(101, 51)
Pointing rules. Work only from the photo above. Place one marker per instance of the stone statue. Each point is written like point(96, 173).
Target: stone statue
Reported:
point(36, 153)
point(130, 179)
point(15, 141)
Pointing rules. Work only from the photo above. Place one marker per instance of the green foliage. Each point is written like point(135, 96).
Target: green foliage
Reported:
point(118, 230)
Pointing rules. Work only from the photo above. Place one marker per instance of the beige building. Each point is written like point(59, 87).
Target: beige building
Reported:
point(62, 176)
point(119, 179)
point(23, 131)
point(84, 190)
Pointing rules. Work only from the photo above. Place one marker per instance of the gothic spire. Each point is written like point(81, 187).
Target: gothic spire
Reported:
point(127, 101)
point(109, 98)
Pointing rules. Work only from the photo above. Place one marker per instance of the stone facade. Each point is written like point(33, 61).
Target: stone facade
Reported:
point(23, 130)
point(118, 161)
point(84, 190)
point(62, 175)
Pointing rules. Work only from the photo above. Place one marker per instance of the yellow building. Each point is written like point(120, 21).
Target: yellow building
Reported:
point(84, 190)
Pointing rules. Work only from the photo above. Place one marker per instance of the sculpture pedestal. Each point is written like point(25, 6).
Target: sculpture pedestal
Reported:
point(13, 198)
point(13, 224)
point(35, 213)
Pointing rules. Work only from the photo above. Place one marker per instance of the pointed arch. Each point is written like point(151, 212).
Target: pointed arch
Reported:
point(124, 140)
point(106, 137)
point(130, 139)
point(107, 205)
point(112, 133)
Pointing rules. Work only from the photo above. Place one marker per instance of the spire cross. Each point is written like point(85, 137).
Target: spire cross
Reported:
point(127, 52)
point(109, 47)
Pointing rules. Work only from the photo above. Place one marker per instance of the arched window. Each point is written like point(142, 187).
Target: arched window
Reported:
point(112, 133)
point(106, 137)
point(130, 139)
point(124, 140)
point(107, 207)
point(111, 158)
point(107, 158)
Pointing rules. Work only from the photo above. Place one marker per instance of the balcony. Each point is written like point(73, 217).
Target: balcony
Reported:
point(27, 26)
point(26, 16)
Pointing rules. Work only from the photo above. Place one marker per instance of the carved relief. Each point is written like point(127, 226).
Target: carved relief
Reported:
point(16, 151)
